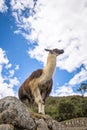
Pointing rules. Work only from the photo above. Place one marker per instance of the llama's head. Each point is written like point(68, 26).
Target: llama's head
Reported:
point(55, 51)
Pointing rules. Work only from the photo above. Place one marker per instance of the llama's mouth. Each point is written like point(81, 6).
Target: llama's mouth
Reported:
point(60, 51)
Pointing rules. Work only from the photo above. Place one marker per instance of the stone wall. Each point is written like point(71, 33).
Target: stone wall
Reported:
point(75, 124)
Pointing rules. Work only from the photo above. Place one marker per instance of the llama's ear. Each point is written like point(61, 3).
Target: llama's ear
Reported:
point(47, 50)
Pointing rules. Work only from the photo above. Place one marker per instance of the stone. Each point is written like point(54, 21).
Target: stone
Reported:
point(13, 111)
point(6, 127)
point(42, 125)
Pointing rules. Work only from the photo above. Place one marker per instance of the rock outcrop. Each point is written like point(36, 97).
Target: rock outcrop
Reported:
point(14, 115)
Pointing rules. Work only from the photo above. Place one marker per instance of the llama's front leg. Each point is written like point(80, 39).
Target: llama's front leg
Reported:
point(39, 101)
point(43, 108)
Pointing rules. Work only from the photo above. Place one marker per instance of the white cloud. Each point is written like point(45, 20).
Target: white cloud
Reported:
point(7, 80)
point(11, 73)
point(3, 58)
point(79, 77)
point(8, 66)
point(13, 82)
point(5, 90)
point(21, 5)
point(3, 7)
point(17, 67)
point(64, 91)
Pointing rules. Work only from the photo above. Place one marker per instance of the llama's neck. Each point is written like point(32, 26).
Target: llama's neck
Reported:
point(48, 70)
point(50, 65)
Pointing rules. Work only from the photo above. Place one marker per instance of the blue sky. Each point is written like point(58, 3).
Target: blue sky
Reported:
point(29, 26)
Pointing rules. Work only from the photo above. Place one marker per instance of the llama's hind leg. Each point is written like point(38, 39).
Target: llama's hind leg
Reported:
point(39, 101)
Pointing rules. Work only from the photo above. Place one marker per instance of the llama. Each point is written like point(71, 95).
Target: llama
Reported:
point(37, 87)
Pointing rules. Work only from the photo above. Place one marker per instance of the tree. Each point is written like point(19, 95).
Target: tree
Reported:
point(84, 108)
point(66, 110)
point(82, 88)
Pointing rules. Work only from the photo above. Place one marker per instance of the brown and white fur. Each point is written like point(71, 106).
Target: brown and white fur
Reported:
point(39, 84)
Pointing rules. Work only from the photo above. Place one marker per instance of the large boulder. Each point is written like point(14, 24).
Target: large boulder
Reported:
point(13, 111)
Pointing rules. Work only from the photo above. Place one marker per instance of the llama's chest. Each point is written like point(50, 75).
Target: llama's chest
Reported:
point(45, 77)
point(46, 86)
point(43, 88)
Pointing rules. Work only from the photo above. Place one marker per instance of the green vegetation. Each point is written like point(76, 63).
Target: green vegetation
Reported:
point(63, 108)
